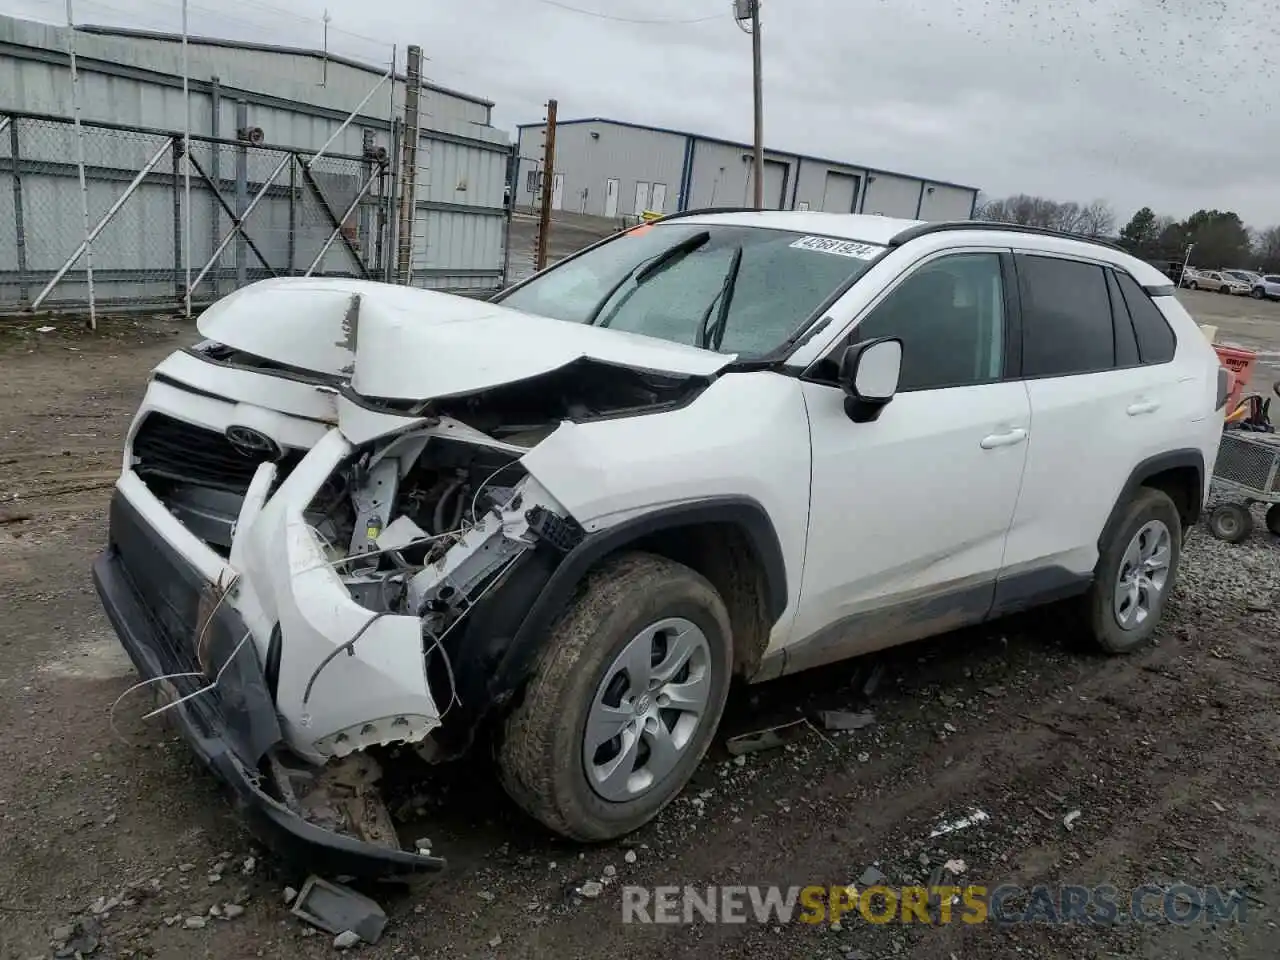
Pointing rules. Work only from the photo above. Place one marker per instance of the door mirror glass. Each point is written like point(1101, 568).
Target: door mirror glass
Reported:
point(869, 373)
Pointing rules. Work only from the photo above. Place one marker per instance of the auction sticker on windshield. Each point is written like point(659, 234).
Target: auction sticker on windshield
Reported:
point(843, 248)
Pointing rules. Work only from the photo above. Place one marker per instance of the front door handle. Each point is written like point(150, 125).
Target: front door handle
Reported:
point(1007, 439)
point(1141, 407)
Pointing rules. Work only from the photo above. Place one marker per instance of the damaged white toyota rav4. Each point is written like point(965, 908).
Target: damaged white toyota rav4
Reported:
point(393, 524)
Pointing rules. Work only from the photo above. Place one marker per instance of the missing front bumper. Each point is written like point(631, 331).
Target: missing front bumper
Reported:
point(154, 597)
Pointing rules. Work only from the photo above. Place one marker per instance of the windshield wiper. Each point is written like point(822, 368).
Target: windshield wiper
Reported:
point(712, 335)
point(649, 268)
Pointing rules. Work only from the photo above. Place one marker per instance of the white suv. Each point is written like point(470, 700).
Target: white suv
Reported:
point(1266, 287)
point(724, 444)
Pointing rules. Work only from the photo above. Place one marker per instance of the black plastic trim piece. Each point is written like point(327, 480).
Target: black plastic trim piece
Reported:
point(1033, 588)
point(1144, 471)
point(994, 226)
point(1158, 289)
point(518, 657)
point(238, 719)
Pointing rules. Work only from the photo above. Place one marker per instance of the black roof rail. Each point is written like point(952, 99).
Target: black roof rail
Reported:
point(924, 229)
point(701, 210)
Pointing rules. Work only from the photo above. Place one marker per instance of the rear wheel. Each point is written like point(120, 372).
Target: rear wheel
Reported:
point(1191, 285)
point(624, 701)
point(1273, 518)
point(1231, 522)
point(1224, 289)
point(1136, 570)
point(1258, 293)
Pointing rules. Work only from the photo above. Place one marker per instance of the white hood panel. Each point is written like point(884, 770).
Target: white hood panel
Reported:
point(403, 343)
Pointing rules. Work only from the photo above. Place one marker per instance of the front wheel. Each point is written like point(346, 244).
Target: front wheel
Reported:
point(1136, 570)
point(1258, 293)
point(623, 702)
point(1224, 289)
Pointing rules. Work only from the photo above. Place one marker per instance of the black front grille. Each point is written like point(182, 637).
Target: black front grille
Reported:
point(171, 449)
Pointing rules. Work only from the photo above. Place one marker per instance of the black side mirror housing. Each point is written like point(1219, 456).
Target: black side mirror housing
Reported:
point(869, 373)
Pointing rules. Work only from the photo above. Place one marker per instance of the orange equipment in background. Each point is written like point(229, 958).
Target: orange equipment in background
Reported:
point(1239, 363)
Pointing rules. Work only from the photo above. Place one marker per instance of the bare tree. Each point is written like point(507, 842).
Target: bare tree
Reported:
point(1266, 247)
point(1094, 220)
point(1097, 220)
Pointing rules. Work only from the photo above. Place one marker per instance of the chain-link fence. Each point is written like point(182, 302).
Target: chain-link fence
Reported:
point(297, 216)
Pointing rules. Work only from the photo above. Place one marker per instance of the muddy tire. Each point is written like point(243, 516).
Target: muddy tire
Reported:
point(611, 726)
point(1137, 569)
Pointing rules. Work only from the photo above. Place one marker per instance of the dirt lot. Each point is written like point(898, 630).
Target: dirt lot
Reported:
point(1171, 756)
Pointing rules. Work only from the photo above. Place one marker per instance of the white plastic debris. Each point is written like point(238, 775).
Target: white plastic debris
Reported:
point(45, 329)
point(955, 867)
point(977, 816)
point(1070, 819)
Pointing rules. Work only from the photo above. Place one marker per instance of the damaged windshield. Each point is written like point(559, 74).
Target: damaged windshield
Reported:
point(730, 288)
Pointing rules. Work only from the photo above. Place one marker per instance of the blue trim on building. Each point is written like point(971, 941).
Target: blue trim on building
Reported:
point(973, 205)
point(795, 187)
point(747, 146)
point(920, 200)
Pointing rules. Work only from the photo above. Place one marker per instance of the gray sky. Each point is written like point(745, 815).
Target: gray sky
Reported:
point(1170, 103)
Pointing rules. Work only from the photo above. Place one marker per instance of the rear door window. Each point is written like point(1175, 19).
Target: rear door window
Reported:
point(1066, 317)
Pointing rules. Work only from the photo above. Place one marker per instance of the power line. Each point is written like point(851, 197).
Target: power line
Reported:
point(617, 19)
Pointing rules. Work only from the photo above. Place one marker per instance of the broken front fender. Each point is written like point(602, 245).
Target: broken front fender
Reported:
point(349, 677)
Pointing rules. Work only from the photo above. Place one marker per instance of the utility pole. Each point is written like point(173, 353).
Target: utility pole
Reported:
point(548, 175)
point(408, 166)
point(744, 10)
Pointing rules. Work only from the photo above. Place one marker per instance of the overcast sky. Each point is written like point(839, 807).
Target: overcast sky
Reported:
point(1172, 104)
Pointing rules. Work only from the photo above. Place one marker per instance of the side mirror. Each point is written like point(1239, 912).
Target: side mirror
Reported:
point(869, 374)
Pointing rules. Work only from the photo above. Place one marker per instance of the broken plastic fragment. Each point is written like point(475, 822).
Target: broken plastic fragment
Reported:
point(337, 909)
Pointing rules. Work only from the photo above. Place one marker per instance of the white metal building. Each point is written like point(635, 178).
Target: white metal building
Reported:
point(131, 86)
point(611, 168)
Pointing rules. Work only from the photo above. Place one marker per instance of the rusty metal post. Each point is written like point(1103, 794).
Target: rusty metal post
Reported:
point(179, 285)
point(548, 176)
point(408, 165)
point(19, 227)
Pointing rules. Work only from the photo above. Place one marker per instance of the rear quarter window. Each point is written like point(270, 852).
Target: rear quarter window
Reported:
point(1156, 342)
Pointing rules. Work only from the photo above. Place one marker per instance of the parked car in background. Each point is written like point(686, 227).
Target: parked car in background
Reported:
point(1218, 281)
point(1244, 276)
point(1266, 287)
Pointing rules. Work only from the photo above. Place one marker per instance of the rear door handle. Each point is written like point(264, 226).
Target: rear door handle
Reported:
point(1141, 407)
point(1008, 439)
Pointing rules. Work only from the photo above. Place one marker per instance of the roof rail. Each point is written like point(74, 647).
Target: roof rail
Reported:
point(701, 210)
point(911, 233)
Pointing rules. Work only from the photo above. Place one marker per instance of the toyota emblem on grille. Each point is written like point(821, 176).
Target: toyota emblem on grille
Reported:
point(253, 443)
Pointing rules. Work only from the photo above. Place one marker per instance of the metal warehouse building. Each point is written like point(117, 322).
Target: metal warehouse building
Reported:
point(610, 168)
point(259, 114)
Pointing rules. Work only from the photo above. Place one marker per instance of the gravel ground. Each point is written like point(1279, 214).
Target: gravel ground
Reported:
point(123, 844)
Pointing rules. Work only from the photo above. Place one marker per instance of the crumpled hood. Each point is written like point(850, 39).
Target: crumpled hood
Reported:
point(402, 343)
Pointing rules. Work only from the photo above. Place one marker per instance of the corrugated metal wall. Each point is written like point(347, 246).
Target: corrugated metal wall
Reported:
point(136, 81)
point(459, 216)
point(716, 173)
point(628, 155)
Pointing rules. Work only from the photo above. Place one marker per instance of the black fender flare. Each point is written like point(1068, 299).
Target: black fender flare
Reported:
point(745, 513)
point(504, 633)
point(1144, 471)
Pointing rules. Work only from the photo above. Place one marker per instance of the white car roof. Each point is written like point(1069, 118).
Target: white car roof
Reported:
point(870, 228)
